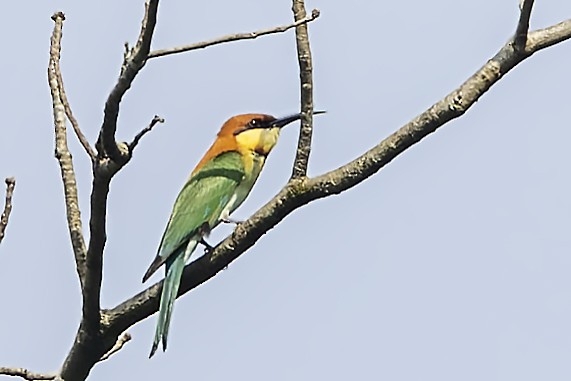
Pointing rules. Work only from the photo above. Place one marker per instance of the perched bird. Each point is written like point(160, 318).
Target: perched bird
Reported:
point(217, 186)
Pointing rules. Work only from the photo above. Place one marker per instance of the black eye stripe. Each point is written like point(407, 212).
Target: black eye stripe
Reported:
point(255, 123)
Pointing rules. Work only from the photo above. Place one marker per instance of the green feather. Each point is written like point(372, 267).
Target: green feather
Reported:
point(174, 266)
point(201, 200)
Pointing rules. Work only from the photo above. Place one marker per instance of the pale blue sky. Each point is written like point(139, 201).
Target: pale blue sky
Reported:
point(452, 263)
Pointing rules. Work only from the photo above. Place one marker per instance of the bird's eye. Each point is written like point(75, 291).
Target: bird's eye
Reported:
point(254, 123)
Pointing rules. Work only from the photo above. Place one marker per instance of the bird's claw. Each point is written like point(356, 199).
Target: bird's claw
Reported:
point(228, 220)
point(207, 247)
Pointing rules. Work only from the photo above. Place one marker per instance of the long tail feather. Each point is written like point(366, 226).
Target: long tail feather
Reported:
point(174, 267)
point(168, 296)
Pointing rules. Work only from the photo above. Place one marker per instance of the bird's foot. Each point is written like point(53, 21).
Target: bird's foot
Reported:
point(225, 218)
point(207, 247)
point(228, 220)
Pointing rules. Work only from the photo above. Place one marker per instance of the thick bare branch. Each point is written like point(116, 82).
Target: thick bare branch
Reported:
point(10, 184)
point(452, 106)
point(90, 345)
point(232, 37)
point(62, 152)
point(520, 37)
point(26, 374)
point(135, 61)
point(299, 192)
point(306, 87)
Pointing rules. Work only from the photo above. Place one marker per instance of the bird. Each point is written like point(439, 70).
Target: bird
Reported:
point(218, 185)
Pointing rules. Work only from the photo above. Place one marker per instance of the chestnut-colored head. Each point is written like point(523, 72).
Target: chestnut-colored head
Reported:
point(239, 123)
point(248, 134)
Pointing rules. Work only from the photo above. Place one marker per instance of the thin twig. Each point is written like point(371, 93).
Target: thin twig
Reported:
point(145, 130)
point(82, 139)
point(520, 38)
point(133, 64)
point(10, 184)
point(62, 152)
point(124, 339)
point(26, 374)
point(232, 37)
point(306, 81)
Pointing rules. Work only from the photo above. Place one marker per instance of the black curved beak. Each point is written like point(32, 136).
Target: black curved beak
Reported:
point(281, 122)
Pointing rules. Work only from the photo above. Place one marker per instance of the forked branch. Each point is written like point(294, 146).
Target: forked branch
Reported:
point(301, 191)
point(111, 157)
point(99, 333)
point(135, 59)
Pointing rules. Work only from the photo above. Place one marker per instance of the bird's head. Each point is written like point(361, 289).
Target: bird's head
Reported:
point(248, 134)
point(257, 132)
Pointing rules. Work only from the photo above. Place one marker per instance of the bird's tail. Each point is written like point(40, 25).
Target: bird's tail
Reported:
point(174, 267)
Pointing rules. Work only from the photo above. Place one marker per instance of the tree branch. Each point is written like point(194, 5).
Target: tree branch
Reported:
point(452, 106)
point(523, 24)
point(90, 309)
point(156, 119)
point(90, 345)
point(26, 374)
point(10, 184)
point(62, 152)
point(232, 37)
point(544, 38)
point(301, 191)
point(135, 60)
point(124, 339)
point(82, 139)
point(98, 332)
point(306, 87)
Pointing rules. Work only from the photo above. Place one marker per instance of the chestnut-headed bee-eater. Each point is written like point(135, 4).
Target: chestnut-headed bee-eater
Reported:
point(217, 186)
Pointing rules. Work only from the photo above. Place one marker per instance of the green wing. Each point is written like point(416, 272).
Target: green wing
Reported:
point(202, 200)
